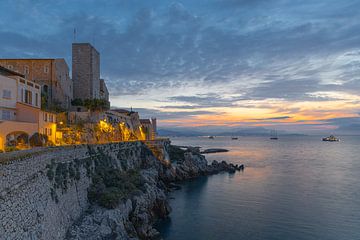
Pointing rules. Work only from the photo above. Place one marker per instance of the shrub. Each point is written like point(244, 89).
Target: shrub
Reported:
point(110, 186)
point(11, 149)
point(176, 154)
point(77, 102)
point(38, 140)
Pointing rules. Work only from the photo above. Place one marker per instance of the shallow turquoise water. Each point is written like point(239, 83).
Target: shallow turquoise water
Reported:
point(293, 188)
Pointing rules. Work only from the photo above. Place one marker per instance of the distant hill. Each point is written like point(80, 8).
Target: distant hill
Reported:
point(179, 133)
point(189, 132)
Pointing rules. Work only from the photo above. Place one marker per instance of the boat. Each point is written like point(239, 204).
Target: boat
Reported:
point(234, 138)
point(273, 135)
point(331, 138)
point(211, 137)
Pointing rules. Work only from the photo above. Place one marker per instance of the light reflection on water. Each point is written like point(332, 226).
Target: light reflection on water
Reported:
point(294, 188)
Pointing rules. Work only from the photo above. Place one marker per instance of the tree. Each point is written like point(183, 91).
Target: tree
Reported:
point(77, 102)
point(96, 104)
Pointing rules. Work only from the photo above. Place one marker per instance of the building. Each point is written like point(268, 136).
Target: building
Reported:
point(104, 93)
point(20, 108)
point(85, 71)
point(149, 128)
point(51, 74)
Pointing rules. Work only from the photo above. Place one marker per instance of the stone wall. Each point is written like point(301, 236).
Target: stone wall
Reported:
point(38, 202)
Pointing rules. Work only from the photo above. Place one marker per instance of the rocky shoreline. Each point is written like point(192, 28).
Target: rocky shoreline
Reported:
point(135, 216)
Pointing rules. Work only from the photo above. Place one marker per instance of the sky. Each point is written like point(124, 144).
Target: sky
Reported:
point(290, 65)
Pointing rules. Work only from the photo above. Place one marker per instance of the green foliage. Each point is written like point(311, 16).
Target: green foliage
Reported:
point(56, 107)
point(96, 104)
point(44, 101)
point(11, 149)
point(61, 175)
point(176, 154)
point(110, 186)
point(38, 140)
point(50, 174)
point(77, 102)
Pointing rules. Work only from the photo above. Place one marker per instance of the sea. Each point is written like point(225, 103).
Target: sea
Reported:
point(294, 188)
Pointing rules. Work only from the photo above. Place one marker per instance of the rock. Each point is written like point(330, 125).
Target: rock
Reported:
point(214, 150)
point(134, 218)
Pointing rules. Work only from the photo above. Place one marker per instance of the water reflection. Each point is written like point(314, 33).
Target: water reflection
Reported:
point(294, 188)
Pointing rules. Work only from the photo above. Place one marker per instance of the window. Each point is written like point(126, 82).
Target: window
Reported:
point(26, 70)
point(46, 69)
point(28, 97)
point(45, 117)
point(5, 114)
point(6, 94)
point(50, 132)
point(36, 99)
point(50, 118)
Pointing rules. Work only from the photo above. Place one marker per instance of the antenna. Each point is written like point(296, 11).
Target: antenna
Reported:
point(74, 34)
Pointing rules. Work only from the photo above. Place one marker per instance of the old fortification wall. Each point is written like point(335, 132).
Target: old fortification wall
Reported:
point(43, 193)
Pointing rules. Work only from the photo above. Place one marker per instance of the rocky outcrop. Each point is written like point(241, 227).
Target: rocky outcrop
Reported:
point(134, 218)
point(49, 193)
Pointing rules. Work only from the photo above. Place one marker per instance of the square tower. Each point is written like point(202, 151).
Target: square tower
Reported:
point(85, 71)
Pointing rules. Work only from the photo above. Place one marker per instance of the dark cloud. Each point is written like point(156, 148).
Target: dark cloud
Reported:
point(349, 125)
point(274, 118)
point(205, 100)
point(296, 89)
point(165, 47)
point(255, 49)
point(165, 115)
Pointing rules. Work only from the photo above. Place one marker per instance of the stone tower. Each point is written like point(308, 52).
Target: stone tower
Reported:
point(85, 71)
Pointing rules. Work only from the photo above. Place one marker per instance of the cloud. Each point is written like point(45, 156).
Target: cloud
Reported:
point(192, 55)
point(205, 100)
point(349, 125)
point(166, 115)
point(273, 118)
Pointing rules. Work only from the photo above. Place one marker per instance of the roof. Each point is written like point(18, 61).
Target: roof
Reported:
point(7, 72)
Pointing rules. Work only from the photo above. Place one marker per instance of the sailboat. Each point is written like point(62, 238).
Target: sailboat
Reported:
point(273, 135)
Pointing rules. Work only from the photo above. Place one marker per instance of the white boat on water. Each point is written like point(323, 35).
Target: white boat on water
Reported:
point(331, 138)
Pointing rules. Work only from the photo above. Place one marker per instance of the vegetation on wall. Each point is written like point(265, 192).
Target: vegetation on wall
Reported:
point(109, 184)
point(92, 104)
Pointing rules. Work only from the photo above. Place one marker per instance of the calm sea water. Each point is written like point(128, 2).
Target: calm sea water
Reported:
point(293, 188)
